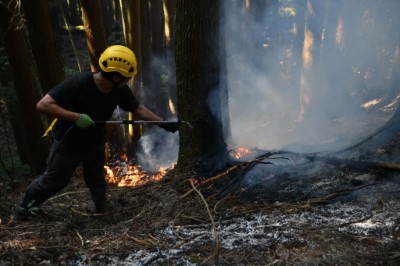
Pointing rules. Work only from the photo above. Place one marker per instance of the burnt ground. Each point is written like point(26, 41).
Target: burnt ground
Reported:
point(318, 211)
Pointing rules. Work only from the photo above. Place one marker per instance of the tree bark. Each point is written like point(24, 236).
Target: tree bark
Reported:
point(42, 40)
point(146, 52)
point(94, 28)
point(25, 81)
point(224, 87)
point(156, 96)
point(198, 81)
point(108, 16)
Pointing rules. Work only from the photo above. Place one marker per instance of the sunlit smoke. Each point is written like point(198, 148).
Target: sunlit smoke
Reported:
point(310, 98)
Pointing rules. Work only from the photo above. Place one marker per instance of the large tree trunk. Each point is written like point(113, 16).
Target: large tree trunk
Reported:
point(42, 40)
point(8, 95)
point(94, 28)
point(25, 81)
point(198, 81)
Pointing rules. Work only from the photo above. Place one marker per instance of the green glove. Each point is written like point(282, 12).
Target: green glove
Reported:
point(84, 121)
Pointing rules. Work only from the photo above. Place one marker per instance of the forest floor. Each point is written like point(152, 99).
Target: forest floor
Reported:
point(334, 215)
point(338, 215)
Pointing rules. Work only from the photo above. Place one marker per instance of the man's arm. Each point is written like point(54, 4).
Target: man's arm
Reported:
point(142, 112)
point(49, 106)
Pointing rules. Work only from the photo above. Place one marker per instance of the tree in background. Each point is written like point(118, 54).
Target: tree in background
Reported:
point(198, 82)
point(71, 11)
point(26, 83)
point(169, 25)
point(42, 40)
point(94, 28)
point(130, 12)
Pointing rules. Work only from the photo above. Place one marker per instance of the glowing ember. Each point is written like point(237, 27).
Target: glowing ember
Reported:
point(240, 152)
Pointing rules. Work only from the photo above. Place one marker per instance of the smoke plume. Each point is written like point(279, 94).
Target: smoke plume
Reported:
point(310, 75)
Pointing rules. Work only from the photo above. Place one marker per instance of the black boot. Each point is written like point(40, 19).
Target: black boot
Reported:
point(26, 210)
point(99, 199)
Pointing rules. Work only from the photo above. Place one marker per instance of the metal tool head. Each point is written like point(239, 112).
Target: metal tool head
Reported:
point(187, 123)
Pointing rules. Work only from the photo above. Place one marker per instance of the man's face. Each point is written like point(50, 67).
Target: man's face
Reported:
point(120, 81)
point(123, 82)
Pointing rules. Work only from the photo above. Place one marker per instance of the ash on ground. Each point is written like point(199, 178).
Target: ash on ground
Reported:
point(286, 233)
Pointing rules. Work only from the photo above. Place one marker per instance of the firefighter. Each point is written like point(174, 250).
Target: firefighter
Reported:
point(76, 103)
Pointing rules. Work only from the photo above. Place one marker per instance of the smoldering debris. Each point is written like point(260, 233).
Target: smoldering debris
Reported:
point(292, 177)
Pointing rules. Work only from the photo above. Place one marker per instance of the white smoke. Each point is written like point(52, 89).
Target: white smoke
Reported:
point(354, 59)
point(158, 148)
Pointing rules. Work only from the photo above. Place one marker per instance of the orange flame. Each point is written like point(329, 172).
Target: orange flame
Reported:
point(240, 152)
point(133, 175)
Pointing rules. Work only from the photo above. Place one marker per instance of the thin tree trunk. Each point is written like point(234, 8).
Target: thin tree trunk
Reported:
point(169, 31)
point(108, 19)
point(146, 54)
point(133, 41)
point(169, 21)
point(156, 97)
point(130, 16)
point(72, 9)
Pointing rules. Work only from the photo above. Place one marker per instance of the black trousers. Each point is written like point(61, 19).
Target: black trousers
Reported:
point(60, 170)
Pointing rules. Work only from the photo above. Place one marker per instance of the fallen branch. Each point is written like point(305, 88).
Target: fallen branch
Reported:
point(215, 233)
point(208, 180)
point(145, 242)
point(390, 166)
point(67, 193)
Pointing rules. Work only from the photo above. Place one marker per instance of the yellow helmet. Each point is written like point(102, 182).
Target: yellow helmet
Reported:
point(118, 58)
